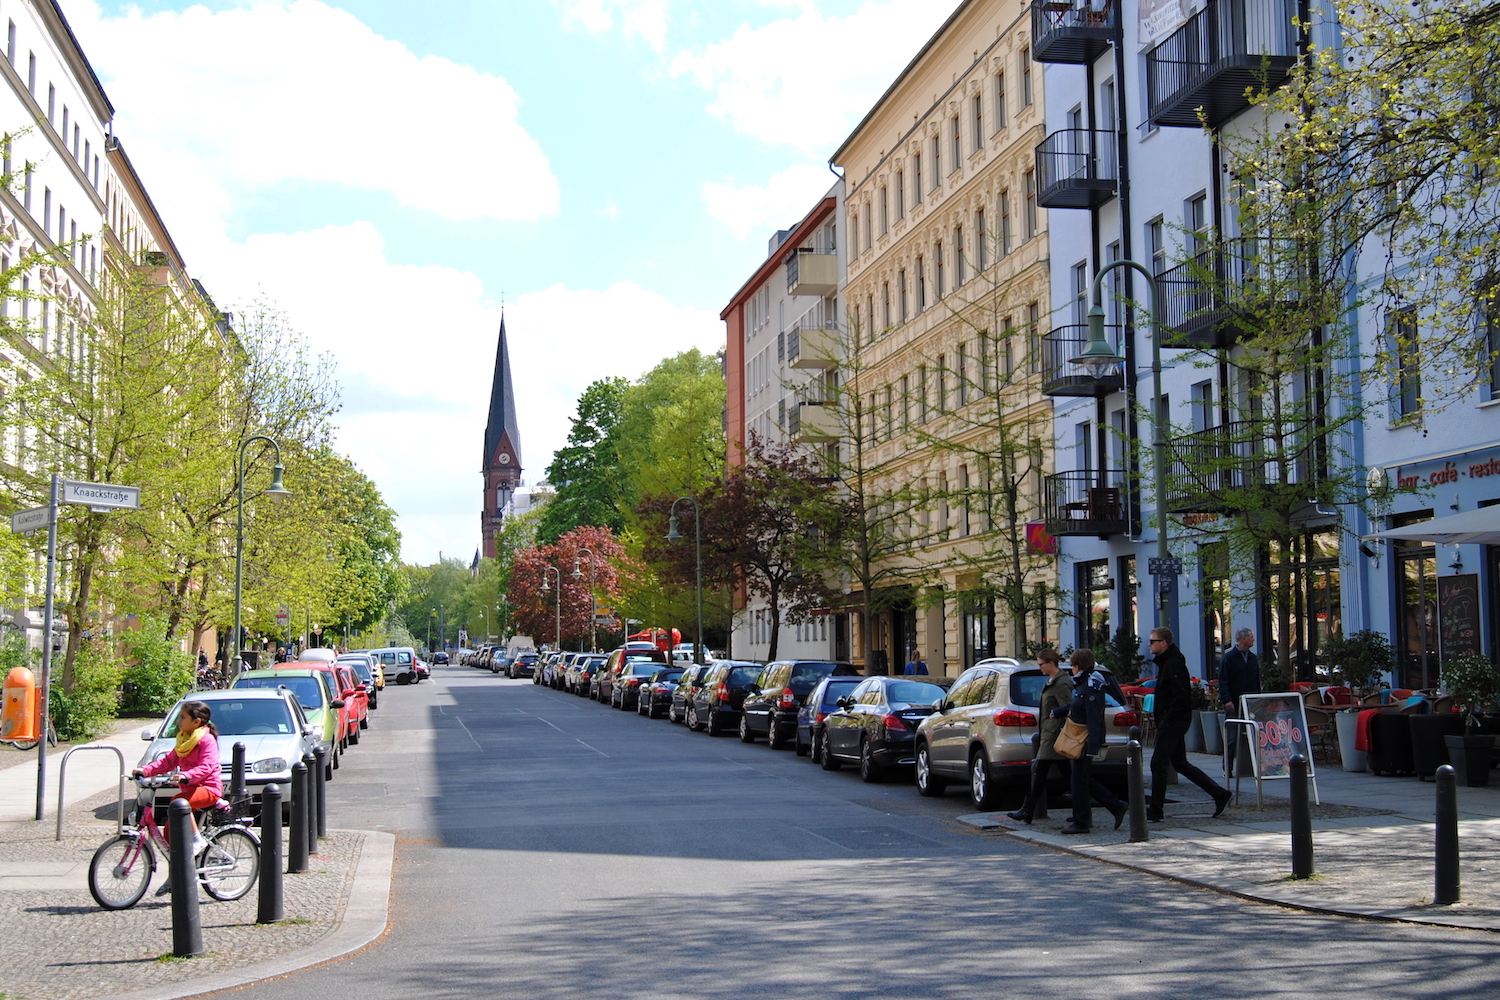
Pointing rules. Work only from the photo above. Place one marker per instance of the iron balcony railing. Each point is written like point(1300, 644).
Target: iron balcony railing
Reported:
point(1213, 469)
point(1073, 31)
point(1226, 49)
point(1077, 168)
point(814, 267)
point(1225, 292)
point(1060, 377)
point(1076, 504)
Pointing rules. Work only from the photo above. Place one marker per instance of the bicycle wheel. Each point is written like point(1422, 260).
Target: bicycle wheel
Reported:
point(121, 871)
point(230, 863)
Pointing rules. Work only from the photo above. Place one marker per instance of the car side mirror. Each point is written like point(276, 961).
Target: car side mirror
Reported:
point(361, 687)
point(842, 703)
point(941, 704)
point(337, 703)
point(148, 734)
point(309, 730)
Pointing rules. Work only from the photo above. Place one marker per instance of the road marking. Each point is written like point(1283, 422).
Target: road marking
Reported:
point(595, 749)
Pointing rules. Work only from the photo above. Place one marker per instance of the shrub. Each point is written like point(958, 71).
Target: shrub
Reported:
point(1473, 683)
point(1359, 659)
point(89, 708)
point(161, 672)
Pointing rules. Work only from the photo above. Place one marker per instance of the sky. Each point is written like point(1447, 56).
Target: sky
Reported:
point(389, 173)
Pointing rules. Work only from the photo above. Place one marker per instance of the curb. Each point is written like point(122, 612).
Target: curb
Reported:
point(363, 922)
point(982, 821)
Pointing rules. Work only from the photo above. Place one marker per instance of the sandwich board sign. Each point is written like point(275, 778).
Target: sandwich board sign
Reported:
point(1281, 732)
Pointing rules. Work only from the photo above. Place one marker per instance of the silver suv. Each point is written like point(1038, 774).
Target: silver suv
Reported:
point(983, 730)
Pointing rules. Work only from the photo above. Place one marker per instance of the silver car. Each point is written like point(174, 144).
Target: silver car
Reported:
point(982, 731)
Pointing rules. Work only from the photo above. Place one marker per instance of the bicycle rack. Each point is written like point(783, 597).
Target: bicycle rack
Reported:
point(62, 775)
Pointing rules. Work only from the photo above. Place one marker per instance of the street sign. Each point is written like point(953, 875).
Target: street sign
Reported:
point(102, 496)
point(283, 616)
point(1170, 566)
point(29, 520)
point(604, 619)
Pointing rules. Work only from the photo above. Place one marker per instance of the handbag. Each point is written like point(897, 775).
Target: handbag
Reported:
point(1071, 741)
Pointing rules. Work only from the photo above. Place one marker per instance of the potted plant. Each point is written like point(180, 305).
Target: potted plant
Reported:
point(1475, 686)
point(1360, 661)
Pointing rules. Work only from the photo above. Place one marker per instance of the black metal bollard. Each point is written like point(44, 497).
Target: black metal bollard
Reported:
point(321, 780)
point(237, 774)
point(1445, 891)
point(1302, 842)
point(187, 928)
point(269, 904)
point(310, 818)
point(297, 833)
point(1139, 832)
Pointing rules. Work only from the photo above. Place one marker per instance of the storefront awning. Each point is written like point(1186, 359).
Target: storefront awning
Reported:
point(1477, 527)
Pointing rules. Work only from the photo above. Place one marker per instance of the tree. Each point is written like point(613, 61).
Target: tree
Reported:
point(586, 472)
point(535, 611)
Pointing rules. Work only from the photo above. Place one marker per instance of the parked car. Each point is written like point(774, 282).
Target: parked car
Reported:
point(377, 676)
point(982, 732)
point(361, 667)
point(523, 665)
point(270, 722)
point(557, 670)
point(398, 663)
point(655, 698)
point(357, 695)
point(717, 702)
point(423, 670)
point(687, 687)
point(772, 703)
point(876, 725)
point(625, 690)
point(817, 706)
point(581, 673)
point(320, 704)
point(604, 680)
point(440, 657)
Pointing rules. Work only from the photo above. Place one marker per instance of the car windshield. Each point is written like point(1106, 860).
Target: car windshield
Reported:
point(812, 671)
point(361, 670)
point(640, 669)
point(305, 688)
point(912, 692)
point(836, 689)
point(248, 717)
point(669, 675)
point(645, 657)
point(1026, 690)
point(741, 676)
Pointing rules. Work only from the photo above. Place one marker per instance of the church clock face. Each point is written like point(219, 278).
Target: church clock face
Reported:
point(504, 458)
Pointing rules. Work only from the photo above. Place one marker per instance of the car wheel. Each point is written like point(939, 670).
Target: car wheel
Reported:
point(333, 765)
point(365, 722)
point(869, 771)
point(354, 736)
point(801, 747)
point(774, 740)
point(826, 760)
point(715, 725)
point(692, 718)
point(927, 783)
point(981, 788)
point(402, 680)
point(746, 736)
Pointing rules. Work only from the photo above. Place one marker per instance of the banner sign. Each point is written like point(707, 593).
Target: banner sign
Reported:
point(1159, 18)
point(1282, 732)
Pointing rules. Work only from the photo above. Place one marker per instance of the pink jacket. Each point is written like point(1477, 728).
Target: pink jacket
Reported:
point(200, 767)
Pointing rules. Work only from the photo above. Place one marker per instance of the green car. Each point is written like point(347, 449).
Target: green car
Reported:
point(320, 703)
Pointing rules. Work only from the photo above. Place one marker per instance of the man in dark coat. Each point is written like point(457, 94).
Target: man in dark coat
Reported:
point(1173, 708)
point(1239, 675)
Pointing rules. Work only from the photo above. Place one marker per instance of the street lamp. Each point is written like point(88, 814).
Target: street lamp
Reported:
point(1098, 360)
point(276, 491)
point(593, 601)
point(545, 588)
point(674, 536)
point(481, 622)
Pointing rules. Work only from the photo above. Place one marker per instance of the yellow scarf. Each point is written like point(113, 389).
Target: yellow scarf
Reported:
point(187, 741)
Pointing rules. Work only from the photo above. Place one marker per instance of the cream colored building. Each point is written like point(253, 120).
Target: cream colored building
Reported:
point(947, 291)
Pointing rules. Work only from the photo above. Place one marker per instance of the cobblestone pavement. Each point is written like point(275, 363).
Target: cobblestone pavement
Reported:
point(71, 949)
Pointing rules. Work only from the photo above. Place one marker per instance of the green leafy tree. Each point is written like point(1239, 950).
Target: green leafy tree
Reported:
point(586, 473)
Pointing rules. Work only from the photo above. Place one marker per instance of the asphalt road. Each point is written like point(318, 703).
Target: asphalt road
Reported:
point(551, 847)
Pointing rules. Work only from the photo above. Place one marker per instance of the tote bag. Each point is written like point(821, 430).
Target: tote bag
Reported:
point(1071, 741)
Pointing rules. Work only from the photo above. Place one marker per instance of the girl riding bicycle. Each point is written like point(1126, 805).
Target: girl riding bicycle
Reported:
point(196, 759)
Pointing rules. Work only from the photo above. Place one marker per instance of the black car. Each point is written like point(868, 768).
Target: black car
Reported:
point(876, 725)
point(816, 707)
point(522, 666)
point(582, 672)
point(716, 703)
point(687, 687)
point(771, 706)
point(656, 693)
point(625, 691)
point(440, 657)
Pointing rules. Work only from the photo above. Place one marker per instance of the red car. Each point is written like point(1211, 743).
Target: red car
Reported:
point(356, 699)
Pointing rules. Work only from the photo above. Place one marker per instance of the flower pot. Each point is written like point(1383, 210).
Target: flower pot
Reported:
point(1193, 741)
point(1428, 751)
point(1347, 724)
point(1212, 724)
point(1470, 757)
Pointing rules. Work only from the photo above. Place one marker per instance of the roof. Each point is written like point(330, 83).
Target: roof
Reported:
point(76, 56)
point(801, 231)
point(502, 405)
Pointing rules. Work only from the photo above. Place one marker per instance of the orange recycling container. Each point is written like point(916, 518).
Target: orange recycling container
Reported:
point(18, 718)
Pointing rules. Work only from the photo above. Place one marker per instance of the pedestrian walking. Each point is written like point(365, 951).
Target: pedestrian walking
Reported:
point(1087, 709)
point(1174, 713)
point(915, 665)
point(1057, 693)
point(1239, 675)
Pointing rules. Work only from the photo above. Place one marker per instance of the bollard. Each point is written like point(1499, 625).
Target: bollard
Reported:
point(237, 774)
point(310, 818)
point(320, 779)
point(1139, 832)
point(1302, 842)
point(1446, 876)
point(297, 834)
point(187, 929)
point(269, 906)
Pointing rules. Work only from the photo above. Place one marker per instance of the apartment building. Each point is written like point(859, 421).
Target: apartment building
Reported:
point(948, 263)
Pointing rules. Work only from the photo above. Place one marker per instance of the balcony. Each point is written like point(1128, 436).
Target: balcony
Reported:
point(1066, 32)
point(812, 272)
point(1060, 377)
point(1077, 505)
point(1077, 168)
point(1236, 467)
point(813, 422)
point(1224, 294)
point(1226, 49)
point(813, 341)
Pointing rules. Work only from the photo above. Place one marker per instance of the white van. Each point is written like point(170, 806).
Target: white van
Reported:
point(397, 663)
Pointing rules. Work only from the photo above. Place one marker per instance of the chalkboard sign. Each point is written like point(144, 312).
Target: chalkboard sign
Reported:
point(1281, 731)
point(1458, 615)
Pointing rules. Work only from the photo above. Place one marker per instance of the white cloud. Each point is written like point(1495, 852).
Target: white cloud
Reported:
point(645, 19)
point(754, 210)
point(610, 211)
point(807, 80)
point(296, 90)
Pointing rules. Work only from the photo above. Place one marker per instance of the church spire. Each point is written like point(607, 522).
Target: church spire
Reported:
point(502, 446)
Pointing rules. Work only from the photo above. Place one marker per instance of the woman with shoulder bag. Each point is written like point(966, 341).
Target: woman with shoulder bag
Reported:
point(1056, 694)
point(1087, 711)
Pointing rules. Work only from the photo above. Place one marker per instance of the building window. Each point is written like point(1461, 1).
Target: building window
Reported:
point(1004, 245)
point(905, 402)
point(870, 314)
point(854, 228)
point(31, 73)
point(868, 228)
point(978, 628)
point(1402, 333)
point(1033, 337)
point(1489, 316)
point(1030, 204)
point(958, 257)
point(1000, 109)
point(984, 362)
point(1196, 212)
point(1093, 603)
point(901, 292)
point(1026, 90)
point(942, 383)
point(51, 105)
point(1156, 245)
point(10, 44)
point(890, 414)
point(958, 149)
point(885, 210)
point(980, 237)
point(1081, 293)
point(1007, 359)
point(1203, 405)
point(963, 376)
point(916, 179)
point(937, 163)
point(922, 393)
point(921, 285)
point(978, 122)
point(885, 302)
point(937, 265)
point(900, 194)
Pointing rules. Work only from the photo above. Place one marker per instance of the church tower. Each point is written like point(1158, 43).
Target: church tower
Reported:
point(502, 447)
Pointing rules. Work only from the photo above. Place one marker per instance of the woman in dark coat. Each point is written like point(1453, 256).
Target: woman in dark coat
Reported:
point(1056, 694)
point(1088, 708)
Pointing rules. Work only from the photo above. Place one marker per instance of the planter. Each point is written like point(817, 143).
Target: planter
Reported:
point(1193, 742)
point(1428, 751)
point(1347, 724)
point(1470, 757)
point(1212, 724)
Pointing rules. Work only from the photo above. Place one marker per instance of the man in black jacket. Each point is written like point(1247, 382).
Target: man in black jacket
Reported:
point(1173, 708)
point(1239, 675)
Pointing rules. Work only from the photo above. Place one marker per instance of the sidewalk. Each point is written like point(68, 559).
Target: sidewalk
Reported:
point(1372, 837)
point(71, 949)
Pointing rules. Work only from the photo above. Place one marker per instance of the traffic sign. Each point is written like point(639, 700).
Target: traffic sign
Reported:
point(283, 616)
point(102, 496)
point(29, 520)
point(1170, 566)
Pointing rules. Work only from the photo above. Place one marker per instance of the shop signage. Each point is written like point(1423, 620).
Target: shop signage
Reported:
point(1281, 731)
point(1458, 615)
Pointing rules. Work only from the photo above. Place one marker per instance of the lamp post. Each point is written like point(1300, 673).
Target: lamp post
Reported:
point(545, 588)
point(593, 601)
point(431, 614)
point(674, 537)
point(442, 641)
point(1099, 359)
point(276, 490)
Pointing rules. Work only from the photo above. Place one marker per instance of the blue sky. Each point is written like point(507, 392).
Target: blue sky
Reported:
point(384, 172)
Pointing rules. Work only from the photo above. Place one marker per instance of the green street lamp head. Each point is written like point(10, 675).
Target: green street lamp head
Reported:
point(277, 490)
point(673, 535)
point(1098, 358)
